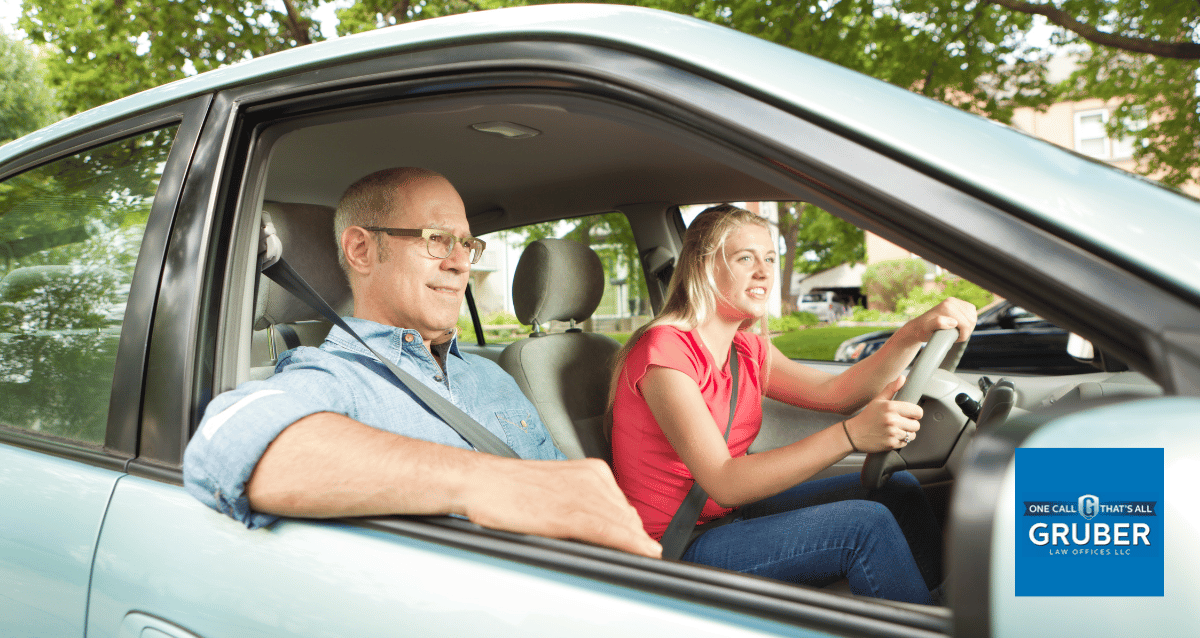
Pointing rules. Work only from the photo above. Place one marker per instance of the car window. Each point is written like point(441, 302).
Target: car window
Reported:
point(624, 307)
point(70, 232)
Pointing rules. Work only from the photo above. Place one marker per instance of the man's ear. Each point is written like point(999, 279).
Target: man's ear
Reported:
point(359, 249)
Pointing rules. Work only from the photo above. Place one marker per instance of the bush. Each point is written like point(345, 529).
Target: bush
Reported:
point(887, 282)
point(793, 321)
point(967, 291)
point(920, 300)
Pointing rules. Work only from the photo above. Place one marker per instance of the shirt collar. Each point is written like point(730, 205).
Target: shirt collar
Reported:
point(387, 340)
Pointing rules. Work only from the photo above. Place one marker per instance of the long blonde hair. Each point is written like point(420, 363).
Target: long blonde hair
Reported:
point(693, 291)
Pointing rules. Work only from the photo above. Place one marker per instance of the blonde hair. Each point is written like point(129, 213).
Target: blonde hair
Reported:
point(693, 293)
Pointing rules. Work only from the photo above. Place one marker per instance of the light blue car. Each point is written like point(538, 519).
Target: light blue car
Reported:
point(130, 296)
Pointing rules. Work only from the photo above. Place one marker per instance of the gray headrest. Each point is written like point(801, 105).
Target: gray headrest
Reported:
point(306, 233)
point(557, 280)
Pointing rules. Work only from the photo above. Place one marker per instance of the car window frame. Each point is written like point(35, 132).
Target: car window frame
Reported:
point(836, 181)
point(125, 405)
point(235, 191)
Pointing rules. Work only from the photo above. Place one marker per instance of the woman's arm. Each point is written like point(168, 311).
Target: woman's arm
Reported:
point(680, 411)
point(795, 383)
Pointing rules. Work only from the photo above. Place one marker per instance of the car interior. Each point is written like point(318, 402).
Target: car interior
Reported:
point(524, 157)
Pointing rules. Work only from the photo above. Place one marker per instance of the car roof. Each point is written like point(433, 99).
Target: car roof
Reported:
point(1079, 197)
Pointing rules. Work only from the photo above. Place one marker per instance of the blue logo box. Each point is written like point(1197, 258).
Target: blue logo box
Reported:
point(1089, 522)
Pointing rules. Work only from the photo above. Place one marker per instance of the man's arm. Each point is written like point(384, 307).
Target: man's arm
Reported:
point(329, 465)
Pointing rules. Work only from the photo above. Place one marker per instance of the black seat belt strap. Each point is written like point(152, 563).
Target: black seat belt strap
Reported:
point(679, 531)
point(478, 436)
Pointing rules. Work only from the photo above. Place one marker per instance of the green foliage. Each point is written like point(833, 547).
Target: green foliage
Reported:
point(26, 103)
point(609, 234)
point(970, 54)
point(1149, 62)
point(817, 344)
point(366, 15)
point(962, 289)
point(792, 321)
point(814, 240)
point(70, 232)
point(107, 49)
point(918, 300)
point(887, 282)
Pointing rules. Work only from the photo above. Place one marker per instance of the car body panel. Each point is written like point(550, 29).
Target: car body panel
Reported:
point(165, 555)
point(52, 510)
point(1005, 207)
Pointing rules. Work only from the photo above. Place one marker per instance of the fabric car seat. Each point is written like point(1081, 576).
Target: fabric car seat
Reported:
point(565, 375)
point(305, 232)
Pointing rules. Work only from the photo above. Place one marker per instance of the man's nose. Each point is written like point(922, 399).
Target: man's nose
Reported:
point(459, 259)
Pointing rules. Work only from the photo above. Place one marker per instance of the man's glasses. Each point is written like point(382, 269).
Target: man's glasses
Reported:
point(439, 243)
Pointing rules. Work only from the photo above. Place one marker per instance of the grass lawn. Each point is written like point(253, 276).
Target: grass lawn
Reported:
point(818, 344)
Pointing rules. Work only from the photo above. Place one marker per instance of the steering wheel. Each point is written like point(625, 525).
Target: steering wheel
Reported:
point(879, 466)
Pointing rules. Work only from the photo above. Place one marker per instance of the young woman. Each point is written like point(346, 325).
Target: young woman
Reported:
point(670, 395)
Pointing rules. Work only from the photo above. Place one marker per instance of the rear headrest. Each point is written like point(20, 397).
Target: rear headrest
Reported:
point(557, 280)
point(306, 233)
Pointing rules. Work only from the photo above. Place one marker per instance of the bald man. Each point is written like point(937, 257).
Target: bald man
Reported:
point(334, 434)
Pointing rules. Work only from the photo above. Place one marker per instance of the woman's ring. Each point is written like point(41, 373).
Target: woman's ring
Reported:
point(907, 437)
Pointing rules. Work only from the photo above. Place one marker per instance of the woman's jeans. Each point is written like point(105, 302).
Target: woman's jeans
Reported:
point(885, 541)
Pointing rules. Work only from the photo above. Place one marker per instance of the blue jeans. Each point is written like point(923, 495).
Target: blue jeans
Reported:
point(886, 541)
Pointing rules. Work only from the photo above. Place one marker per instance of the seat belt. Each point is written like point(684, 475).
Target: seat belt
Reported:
point(678, 536)
point(478, 436)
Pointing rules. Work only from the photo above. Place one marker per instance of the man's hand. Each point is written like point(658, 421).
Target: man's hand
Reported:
point(328, 465)
point(576, 500)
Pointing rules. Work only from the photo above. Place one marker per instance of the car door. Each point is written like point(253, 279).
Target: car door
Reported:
point(83, 223)
point(166, 564)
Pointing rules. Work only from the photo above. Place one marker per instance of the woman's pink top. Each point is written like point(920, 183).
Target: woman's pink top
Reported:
point(647, 468)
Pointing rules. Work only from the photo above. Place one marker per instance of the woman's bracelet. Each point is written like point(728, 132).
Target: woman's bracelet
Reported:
point(847, 431)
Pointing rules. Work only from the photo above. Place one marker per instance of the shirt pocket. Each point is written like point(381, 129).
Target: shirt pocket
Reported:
point(521, 431)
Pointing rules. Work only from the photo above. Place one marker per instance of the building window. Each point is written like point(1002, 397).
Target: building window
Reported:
point(1091, 135)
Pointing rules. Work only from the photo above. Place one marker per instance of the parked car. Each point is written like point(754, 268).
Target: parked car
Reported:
point(1007, 339)
point(129, 240)
point(824, 305)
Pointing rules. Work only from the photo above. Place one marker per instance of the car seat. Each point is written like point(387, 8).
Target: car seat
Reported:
point(565, 375)
point(305, 233)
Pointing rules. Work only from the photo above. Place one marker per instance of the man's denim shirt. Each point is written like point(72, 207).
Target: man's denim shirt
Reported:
point(343, 377)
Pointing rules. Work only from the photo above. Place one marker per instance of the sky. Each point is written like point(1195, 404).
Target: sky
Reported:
point(10, 10)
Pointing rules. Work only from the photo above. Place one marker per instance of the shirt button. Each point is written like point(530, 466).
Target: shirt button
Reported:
point(408, 338)
point(438, 378)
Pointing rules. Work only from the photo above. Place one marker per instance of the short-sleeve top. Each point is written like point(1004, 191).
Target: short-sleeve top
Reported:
point(647, 468)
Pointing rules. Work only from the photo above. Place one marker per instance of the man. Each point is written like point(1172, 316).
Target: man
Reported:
point(333, 433)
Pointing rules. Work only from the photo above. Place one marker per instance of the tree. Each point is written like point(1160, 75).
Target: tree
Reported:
point(1145, 55)
point(814, 240)
point(107, 49)
point(26, 103)
point(610, 235)
point(963, 52)
point(365, 15)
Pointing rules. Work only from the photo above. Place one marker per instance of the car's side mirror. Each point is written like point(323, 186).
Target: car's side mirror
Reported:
point(1082, 350)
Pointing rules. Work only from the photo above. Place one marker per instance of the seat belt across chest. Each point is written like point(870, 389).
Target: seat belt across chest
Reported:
point(468, 428)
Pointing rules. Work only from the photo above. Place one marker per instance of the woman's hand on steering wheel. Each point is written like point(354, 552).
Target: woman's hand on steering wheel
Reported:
point(885, 424)
point(951, 313)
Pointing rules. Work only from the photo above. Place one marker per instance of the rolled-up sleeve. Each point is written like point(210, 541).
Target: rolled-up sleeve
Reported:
point(239, 425)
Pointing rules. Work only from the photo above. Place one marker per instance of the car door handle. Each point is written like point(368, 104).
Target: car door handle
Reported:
point(139, 625)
